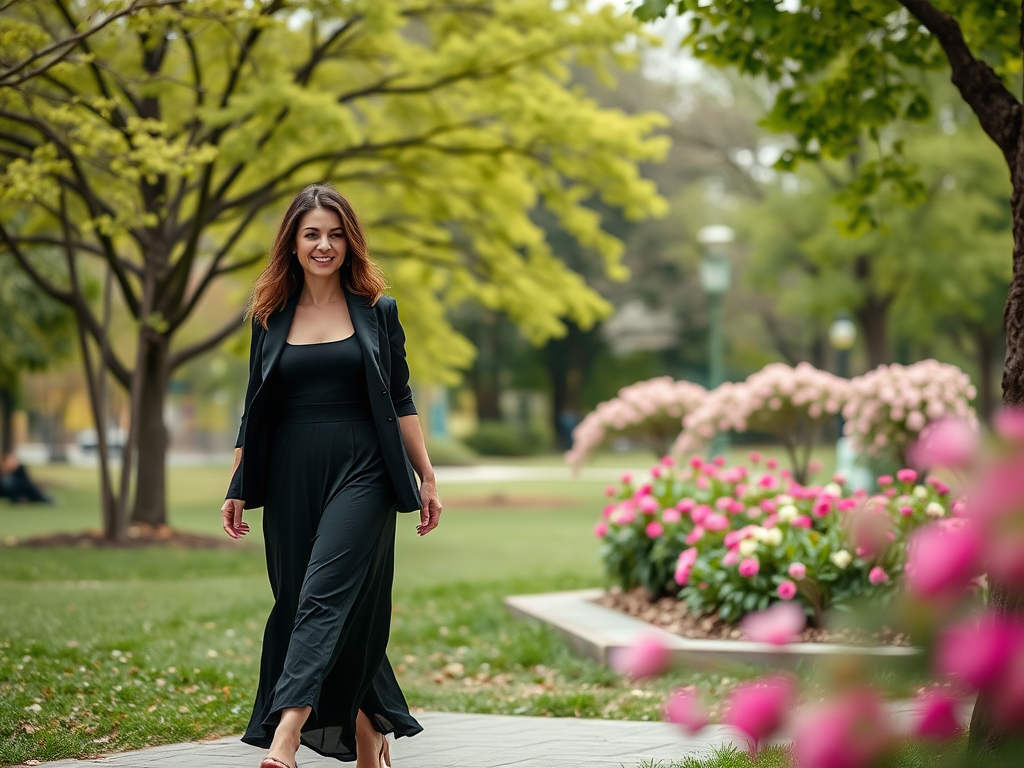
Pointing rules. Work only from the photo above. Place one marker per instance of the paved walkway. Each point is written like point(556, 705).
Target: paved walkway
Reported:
point(452, 740)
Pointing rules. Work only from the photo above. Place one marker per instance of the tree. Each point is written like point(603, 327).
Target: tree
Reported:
point(163, 159)
point(845, 72)
point(35, 331)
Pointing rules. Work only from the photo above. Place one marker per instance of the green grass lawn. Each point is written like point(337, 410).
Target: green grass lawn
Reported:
point(105, 650)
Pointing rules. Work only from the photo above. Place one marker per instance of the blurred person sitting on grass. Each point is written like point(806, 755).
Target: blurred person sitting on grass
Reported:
point(15, 484)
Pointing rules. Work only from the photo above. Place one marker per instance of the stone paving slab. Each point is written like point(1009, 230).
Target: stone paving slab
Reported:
point(596, 631)
point(453, 740)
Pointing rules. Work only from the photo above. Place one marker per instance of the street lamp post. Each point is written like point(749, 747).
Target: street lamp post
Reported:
point(714, 279)
point(841, 335)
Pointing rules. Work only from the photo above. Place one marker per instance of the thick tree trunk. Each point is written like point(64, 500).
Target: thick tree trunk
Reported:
point(873, 316)
point(151, 436)
point(568, 360)
point(985, 344)
point(1006, 599)
point(486, 373)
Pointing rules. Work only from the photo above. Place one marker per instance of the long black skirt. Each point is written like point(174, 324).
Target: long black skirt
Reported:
point(329, 526)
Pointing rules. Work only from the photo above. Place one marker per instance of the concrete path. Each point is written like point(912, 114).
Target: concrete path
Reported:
point(452, 740)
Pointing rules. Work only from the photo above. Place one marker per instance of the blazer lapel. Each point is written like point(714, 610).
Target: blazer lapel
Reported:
point(278, 326)
point(364, 321)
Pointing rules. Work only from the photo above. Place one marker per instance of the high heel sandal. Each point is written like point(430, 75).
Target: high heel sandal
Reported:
point(273, 762)
point(385, 752)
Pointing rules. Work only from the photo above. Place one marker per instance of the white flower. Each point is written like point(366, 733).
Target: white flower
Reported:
point(920, 492)
point(773, 537)
point(788, 512)
point(833, 489)
point(748, 547)
point(935, 510)
point(841, 559)
point(783, 499)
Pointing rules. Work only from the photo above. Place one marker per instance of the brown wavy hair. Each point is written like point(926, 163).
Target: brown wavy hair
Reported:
point(283, 274)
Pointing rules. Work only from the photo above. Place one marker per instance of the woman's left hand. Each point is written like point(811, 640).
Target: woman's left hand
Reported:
point(430, 508)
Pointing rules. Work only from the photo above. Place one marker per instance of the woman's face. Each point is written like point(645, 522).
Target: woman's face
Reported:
point(320, 243)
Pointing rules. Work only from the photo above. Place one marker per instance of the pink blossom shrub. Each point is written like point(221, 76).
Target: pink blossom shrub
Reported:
point(650, 412)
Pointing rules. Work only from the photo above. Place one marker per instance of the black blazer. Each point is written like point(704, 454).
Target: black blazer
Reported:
point(387, 378)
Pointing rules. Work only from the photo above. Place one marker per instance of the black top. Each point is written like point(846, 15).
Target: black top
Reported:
point(330, 373)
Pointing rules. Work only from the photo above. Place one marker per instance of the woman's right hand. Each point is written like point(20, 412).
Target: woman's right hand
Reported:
point(232, 514)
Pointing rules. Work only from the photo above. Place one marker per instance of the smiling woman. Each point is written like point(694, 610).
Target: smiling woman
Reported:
point(328, 445)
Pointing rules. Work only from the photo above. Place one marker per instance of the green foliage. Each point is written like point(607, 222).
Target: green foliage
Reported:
point(499, 438)
point(178, 133)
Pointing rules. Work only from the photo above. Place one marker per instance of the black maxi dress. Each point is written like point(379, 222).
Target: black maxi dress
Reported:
point(329, 527)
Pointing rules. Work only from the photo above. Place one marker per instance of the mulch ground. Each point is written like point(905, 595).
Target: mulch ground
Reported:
point(138, 536)
point(671, 614)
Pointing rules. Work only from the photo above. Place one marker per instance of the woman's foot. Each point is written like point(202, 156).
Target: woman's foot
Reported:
point(273, 762)
point(287, 739)
point(371, 745)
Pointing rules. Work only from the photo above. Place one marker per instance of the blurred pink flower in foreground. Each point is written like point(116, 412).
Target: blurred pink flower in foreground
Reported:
point(685, 564)
point(847, 732)
point(947, 442)
point(976, 652)
point(758, 708)
point(787, 590)
point(600, 530)
point(647, 657)
point(778, 625)
point(878, 576)
point(1009, 422)
point(936, 715)
point(684, 709)
point(942, 559)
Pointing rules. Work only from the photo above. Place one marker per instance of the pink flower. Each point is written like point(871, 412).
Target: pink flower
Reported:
point(722, 503)
point(770, 522)
point(787, 590)
point(801, 521)
point(759, 708)
point(749, 567)
point(627, 478)
point(976, 652)
point(814, 466)
point(684, 709)
point(845, 505)
point(1009, 422)
point(671, 515)
point(878, 576)
point(948, 442)
point(906, 511)
point(730, 557)
point(654, 530)
point(600, 530)
point(648, 504)
point(685, 505)
point(702, 483)
point(754, 457)
point(610, 491)
point(906, 475)
point(771, 463)
point(716, 522)
point(736, 507)
point(941, 559)
point(684, 565)
point(890, 492)
point(695, 535)
point(718, 461)
point(768, 482)
point(847, 732)
point(779, 624)
point(696, 462)
point(797, 571)
point(936, 715)
point(884, 480)
point(822, 507)
point(668, 461)
point(656, 472)
point(647, 657)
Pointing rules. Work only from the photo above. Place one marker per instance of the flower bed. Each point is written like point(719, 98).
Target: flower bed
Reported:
point(732, 540)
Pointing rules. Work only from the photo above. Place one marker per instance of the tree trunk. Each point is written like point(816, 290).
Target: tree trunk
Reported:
point(6, 421)
point(1006, 599)
point(873, 316)
point(984, 344)
point(151, 435)
point(568, 360)
point(486, 373)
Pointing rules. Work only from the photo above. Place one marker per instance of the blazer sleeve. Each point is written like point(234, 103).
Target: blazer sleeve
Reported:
point(401, 392)
point(255, 379)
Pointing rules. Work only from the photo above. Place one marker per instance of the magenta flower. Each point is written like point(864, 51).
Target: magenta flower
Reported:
point(671, 515)
point(768, 482)
point(797, 571)
point(814, 466)
point(787, 590)
point(822, 507)
point(684, 565)
point(749, 567)
point(878, 576)
point(884, 480)
point(627, 478)
point(718, 461)
point(685, 505)
point(769, 506)
point(759, 708)
point(906, 475)
point(668, 461)
point(1009, 422)
point(656, 471)
point(754, 457)
point(936, 715)
point(778, 624)
point(700, 513)
point(845, 505)
point(696, 462)
point(771, 463)
point(801, 521)
point(716, 522)
point(948, 442)
point(730, 557)
point(847, 732)
point(647, 657)
point(695, 535)
point(600, 530)
point(684, 709)
point(654, 529)
point(610, 491)
point(942, 559)
point(906, 511)
point(648, 504)
point(976, 652)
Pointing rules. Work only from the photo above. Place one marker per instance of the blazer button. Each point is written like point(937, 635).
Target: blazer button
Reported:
point(391, 418)
point(383, 391)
